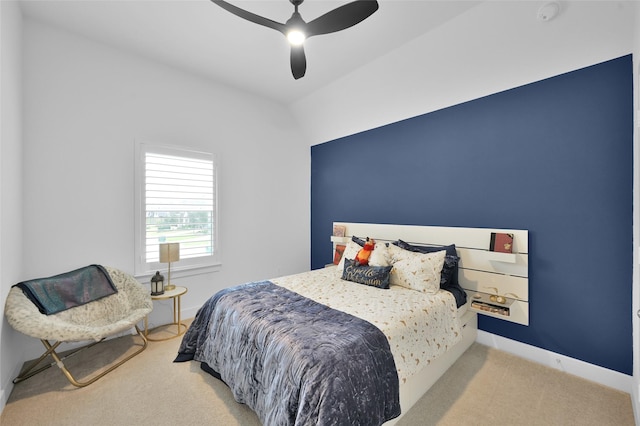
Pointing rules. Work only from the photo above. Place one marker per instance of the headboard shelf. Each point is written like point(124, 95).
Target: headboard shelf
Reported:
point(480, 270)
point(339, 240)
point(518, 264)
point(494, 256)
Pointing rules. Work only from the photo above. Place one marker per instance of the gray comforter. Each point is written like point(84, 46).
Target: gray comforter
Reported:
point(292, 360)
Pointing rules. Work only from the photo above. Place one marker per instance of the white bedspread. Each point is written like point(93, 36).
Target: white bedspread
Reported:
point(420, 327)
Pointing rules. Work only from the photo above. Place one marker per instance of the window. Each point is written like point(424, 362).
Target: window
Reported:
point(175, 203)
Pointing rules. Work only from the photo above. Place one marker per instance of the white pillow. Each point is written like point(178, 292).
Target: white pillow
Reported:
point(380, 255)
point(350, 252)
point(417, 271)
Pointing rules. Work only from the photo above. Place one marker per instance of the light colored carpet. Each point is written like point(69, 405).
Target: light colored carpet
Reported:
point(484, 387)
point(489, 387)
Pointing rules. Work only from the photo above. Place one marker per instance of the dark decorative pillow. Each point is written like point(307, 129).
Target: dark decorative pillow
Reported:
point(358, 241)
point(449, 276)
point(375, 276)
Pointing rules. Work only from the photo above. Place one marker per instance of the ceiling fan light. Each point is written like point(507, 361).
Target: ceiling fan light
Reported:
point(296, 37)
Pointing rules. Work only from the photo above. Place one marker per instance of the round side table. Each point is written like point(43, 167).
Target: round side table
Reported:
point(175, 295)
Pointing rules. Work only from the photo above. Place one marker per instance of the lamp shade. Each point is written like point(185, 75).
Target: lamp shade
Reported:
point(169, 252)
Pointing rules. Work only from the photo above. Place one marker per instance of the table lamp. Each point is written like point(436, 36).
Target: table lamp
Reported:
point(169, 252)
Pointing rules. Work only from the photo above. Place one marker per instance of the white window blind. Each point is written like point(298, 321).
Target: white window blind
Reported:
point(178, 204)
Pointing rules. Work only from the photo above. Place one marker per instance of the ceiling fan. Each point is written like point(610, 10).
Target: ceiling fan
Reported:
point(297, 30)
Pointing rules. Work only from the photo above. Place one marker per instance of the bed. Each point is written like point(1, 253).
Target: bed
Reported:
point(343, 344)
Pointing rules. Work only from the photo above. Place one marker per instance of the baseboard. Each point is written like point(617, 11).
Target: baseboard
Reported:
point(635, 402)
point(594, 373)
point(3, 402)
point(7, 387)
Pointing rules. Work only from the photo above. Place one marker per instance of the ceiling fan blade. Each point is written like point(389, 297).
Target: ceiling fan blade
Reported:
point(257, 19)
point(342, 17)
point(298, 61)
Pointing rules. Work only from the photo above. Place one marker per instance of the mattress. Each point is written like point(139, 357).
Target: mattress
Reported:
point(419, 327)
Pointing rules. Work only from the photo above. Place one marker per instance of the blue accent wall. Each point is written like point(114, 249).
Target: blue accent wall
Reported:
point(554, 157)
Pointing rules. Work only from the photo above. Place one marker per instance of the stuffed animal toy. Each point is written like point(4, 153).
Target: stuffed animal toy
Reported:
point(363, 255)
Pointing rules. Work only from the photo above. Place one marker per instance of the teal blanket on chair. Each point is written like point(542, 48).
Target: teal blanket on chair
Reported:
point(61, 292)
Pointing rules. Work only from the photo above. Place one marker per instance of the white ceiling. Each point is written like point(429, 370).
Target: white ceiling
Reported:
point(202, 38)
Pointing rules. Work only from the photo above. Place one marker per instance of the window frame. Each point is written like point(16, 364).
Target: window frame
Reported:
point(143, 268)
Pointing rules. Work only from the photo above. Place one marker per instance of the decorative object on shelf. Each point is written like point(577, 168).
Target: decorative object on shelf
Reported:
point(338, 253)
point(339, 230)
point(157, 284)
point(500, 298)
point(492, 303)
point(487, 307)
point(501, 242)
point(496, 297)
point(169, 252)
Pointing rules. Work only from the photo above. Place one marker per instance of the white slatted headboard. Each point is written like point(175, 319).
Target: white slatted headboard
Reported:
point(482, 274)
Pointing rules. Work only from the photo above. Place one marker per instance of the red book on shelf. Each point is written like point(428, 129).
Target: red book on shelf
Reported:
point(338, 254)
point(501, 242)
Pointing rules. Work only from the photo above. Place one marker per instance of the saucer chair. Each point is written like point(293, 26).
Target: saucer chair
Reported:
point(93, 321)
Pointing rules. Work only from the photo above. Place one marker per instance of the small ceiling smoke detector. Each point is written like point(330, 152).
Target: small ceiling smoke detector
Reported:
point(548, 11)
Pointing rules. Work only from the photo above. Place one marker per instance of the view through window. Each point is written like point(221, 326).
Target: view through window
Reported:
point(178, 192)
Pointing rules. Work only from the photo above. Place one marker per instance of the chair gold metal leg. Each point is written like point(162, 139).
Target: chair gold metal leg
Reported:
point(51, 350)
point(30, 371)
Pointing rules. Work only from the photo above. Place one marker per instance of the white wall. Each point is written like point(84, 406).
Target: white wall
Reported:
point(493, 47)
point(10, 182)
point(85, 106)
point(635, 391)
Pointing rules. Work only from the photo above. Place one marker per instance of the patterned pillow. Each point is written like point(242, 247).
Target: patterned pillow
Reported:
point(417, 271)
point(358, 241)
point(375, 276)
point(350, 252)
point(449, 277)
